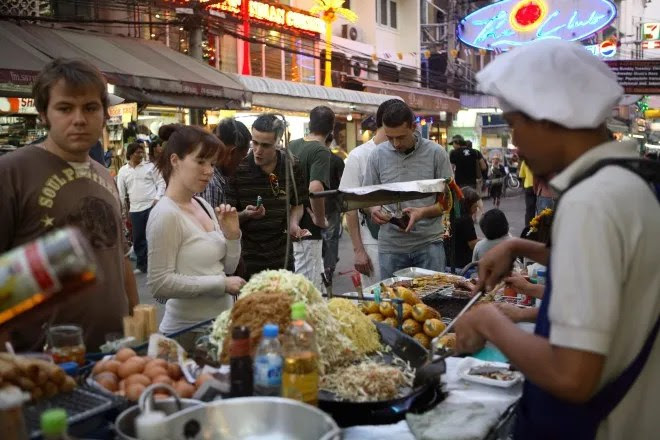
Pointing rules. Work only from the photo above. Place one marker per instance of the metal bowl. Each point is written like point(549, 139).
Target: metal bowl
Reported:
point(253, 418)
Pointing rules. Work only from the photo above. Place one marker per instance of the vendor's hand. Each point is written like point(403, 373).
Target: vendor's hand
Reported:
point(518, 283)
point(296, 232)
point(233, 285)
point(379, 216)
point(363, 263)
point(415, 214)
point(319, 221)
point(468, 336)
point(254, 213)
point(228, 220)
point(495, 265)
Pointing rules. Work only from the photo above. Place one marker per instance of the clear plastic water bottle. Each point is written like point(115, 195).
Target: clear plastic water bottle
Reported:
point(268, 363)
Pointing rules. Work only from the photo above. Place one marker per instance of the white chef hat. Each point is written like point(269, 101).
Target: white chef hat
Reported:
point(553, 80)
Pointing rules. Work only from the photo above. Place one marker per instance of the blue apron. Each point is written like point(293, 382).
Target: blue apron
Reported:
point(544, 417)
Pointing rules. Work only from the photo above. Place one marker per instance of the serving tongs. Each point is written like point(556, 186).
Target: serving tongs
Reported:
point(433, 368)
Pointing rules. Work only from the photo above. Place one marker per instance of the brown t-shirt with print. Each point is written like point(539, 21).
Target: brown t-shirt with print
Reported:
point(40, 192)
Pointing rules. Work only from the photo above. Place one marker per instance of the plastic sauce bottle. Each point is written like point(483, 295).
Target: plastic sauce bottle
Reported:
point(268, 364)
point(54, 424)
point(240, 361)
point(300, 374)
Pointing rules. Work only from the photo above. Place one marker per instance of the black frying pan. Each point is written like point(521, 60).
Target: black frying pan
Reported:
point(348, 413)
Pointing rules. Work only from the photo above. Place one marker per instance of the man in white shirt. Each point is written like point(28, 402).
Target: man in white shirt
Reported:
point(592, 367)
point(365, 242)
point(140, 186)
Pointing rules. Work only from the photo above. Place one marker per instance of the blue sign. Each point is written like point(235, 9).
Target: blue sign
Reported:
point(510, 23)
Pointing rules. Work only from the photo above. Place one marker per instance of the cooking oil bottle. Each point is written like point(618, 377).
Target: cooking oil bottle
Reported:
point(300, 374)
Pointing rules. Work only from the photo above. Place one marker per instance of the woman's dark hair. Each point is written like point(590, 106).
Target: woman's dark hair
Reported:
point(494, 224)
point(398, 113)
point(132, 148)
point(233, 132)
point(183, 140)
point(470, 197)
point(152, 148)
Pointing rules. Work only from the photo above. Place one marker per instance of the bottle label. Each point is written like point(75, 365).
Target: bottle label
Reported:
point(268, 370)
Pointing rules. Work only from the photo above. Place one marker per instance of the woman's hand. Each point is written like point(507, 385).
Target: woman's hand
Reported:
point(228, 220)
point(233, 285)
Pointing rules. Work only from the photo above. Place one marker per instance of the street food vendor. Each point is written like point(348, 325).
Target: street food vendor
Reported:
point(592, 366)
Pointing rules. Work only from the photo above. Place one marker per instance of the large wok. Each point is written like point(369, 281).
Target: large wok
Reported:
point(420, 398)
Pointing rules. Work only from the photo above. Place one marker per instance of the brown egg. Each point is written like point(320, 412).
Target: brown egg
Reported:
point(202, 378)
point(156, 363)
point(112, 366)
point(99, 367)
point(132, 366)
point(184, 389)
point(155, 371)
point(174, 371)
point(138, 378)
point(124, 354)
point(107, 380)
point(164, 378)
point(134, 391)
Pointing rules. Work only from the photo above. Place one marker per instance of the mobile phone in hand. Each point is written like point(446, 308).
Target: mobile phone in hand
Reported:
point(401, 222)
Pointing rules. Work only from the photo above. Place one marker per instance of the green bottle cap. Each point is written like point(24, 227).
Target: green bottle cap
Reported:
point(298, 311)
point(53, 422)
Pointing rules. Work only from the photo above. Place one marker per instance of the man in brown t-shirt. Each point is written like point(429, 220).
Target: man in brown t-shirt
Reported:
point(54, 184)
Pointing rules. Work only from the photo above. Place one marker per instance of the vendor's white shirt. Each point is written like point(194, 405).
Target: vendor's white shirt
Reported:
point(143, 184)
point(606, 281)
point(353, 177)
point(187, 265)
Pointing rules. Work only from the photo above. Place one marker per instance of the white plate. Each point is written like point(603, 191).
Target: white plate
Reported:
point(470, 362)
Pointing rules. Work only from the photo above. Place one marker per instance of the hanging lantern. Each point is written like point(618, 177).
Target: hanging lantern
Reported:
point(399, 55)
point(427, 54)
point(453, 53)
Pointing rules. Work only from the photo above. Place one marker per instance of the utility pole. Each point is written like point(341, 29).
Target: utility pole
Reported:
point(192, 22)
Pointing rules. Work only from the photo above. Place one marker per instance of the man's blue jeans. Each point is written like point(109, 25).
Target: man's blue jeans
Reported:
point(431, 257)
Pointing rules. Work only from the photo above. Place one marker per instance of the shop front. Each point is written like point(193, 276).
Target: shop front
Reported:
point(19, 123)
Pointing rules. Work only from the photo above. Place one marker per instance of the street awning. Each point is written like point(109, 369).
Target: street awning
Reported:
point(294, 96)
point(423, 101)
point(139, 67)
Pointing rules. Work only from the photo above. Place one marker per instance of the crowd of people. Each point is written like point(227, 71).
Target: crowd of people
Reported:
point(211, 209)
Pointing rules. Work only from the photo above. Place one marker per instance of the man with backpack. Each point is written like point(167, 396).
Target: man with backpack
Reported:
point(592, 364)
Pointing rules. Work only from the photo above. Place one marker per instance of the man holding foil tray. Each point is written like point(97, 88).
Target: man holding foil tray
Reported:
point(592, 365)
point(411, 232)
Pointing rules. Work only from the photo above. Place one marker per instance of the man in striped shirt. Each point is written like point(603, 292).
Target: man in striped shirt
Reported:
point(262, 176)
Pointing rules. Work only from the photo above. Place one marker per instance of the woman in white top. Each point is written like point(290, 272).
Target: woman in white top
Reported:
point(191, 245)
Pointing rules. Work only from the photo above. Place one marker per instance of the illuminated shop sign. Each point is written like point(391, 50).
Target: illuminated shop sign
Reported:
point(511, 23)
point(606, 49)
point(272, 14)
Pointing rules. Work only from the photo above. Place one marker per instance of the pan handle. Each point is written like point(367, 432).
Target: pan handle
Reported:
point(332, 435)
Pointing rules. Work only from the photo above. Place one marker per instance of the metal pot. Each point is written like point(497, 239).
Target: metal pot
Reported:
point(125, 423)
point(253, 418)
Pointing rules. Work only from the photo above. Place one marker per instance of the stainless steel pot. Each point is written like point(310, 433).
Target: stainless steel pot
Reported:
point(125, 423)
point(253, 418)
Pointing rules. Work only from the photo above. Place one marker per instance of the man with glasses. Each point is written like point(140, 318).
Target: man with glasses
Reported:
point(258, 191)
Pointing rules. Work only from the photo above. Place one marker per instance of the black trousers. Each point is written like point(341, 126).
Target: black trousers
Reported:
point(530, 205)
point(139, 222)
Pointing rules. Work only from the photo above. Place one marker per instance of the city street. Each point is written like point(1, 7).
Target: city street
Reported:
point(513, 207)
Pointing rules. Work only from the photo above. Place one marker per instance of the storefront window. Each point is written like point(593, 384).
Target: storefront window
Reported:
point(273, 56)
point(298, 67)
